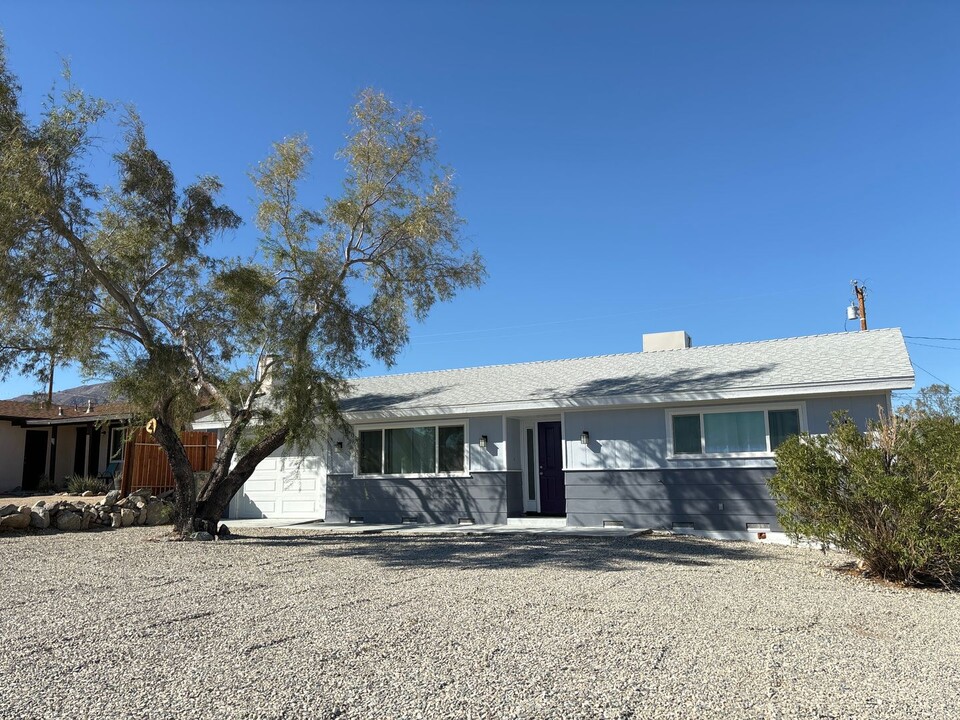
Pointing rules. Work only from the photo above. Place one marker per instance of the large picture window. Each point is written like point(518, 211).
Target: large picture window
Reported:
point(743, 432)
point(420, 450)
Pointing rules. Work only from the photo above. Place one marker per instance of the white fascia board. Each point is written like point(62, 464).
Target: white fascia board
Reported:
point(75, 420)
point(586, 403)
point(210, 420)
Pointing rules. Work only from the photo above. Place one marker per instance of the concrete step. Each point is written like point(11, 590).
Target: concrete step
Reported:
point(537, 522)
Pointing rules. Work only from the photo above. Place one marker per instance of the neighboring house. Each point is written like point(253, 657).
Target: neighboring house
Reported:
point(674, 437)
point(42, 445)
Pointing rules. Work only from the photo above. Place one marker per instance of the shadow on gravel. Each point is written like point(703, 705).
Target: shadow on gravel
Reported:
point(517, 551)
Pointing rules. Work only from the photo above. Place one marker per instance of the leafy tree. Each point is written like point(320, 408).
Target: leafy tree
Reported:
point(935, 401)
point(891, 496)
point(124, 279)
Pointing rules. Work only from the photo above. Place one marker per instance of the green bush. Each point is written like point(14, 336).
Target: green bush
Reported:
point(82, 483)
point(890, 496)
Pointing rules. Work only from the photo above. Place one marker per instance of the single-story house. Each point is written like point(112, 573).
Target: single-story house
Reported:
point(42, 443)
point(673, 437)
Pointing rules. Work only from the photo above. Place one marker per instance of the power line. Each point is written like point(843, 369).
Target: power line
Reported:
point(927, 337)
point(942, 347)
point(941, 380)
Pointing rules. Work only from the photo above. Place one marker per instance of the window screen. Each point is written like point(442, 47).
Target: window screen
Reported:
point(686, 434)
point(450, 444)
point(371, 452)
point(783, 424)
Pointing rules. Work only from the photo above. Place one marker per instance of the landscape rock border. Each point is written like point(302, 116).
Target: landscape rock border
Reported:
point(140, 507)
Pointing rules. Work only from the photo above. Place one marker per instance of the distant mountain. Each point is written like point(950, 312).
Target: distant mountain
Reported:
point(97, 393)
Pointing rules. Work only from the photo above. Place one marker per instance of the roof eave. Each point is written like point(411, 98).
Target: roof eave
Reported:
point(76, 420)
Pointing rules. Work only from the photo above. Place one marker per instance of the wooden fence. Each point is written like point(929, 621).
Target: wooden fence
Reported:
point(145, 463)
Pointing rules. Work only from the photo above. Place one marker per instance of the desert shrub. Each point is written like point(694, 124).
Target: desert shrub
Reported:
point(82, 483)
point(891, 496)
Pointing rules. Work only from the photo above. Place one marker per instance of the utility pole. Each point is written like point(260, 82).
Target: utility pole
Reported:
point(861, 293)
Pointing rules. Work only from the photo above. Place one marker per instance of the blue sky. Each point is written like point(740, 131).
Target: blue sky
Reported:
point(722, 168)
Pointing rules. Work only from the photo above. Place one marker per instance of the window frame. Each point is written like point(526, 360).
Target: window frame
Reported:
point(702, 410)
point(114, 453)
point(436, 425)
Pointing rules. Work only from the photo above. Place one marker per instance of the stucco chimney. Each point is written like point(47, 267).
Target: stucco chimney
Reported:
point(675, 340)
point(264, 372)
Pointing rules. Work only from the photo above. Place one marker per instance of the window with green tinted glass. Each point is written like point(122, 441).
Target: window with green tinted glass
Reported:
point(371, 452)
point(783, 424)
point(450, 446)
point(424, 450)
point(734, 432)
point(686, 434)
point(410, 450)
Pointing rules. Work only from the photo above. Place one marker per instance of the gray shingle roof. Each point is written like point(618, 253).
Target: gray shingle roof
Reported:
point(841, 362)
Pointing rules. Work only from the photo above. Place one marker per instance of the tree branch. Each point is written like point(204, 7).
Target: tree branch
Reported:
point(116, 292)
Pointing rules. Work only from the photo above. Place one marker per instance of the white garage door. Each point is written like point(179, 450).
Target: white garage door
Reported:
point(283, 486)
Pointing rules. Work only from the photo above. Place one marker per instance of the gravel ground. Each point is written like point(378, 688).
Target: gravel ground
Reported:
point(299, 624)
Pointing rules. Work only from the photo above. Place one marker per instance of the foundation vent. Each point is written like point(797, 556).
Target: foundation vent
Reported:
point(613, 523)
point(683, 526)
point(758, 527)
point(355, 519)
point(409, 520)
point(465, 521)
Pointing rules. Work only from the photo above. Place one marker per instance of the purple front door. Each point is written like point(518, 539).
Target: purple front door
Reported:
point(553, 499)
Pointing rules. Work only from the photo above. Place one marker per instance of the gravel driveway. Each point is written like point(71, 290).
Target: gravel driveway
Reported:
point(298, 624)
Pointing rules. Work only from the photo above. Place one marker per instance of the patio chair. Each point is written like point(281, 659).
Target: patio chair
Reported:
point(110, 471)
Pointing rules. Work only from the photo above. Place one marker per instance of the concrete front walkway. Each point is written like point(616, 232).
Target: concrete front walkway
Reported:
point(430, 529)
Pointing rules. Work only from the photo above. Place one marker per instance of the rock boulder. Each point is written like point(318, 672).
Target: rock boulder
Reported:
point(19, 520)
point(68, 520)
point(159, 513)
point(39, 517)
point(127, 517)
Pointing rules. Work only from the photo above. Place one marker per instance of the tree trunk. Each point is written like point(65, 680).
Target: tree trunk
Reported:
point(185, 497)
point(225, 482)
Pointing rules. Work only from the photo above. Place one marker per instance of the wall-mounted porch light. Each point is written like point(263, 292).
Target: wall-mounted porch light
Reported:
point(483, 441)
point(584, 438)
point(338, 445)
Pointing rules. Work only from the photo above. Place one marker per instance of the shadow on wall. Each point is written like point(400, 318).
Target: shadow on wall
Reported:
point(720, 499)
point(519, 551)
point(434, 500)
